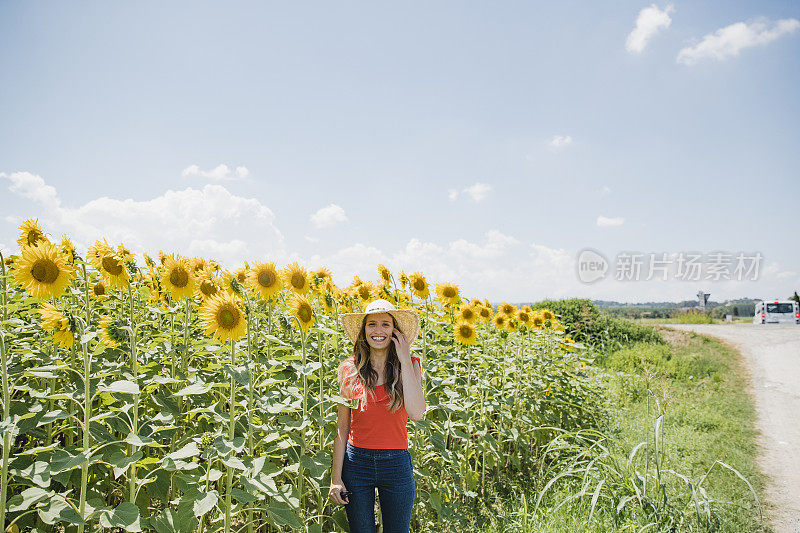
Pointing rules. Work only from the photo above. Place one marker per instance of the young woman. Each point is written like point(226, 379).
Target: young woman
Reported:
point(371, 448)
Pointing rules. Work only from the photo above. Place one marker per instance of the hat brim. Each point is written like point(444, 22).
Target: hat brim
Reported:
point(407, 321)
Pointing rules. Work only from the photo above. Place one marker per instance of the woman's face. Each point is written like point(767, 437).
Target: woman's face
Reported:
point(378, 328)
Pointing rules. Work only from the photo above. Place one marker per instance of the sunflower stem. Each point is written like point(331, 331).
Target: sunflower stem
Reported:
point(7, 430)
point(231, 430)
point(250, 447)
point(87, 412)
point(135, 421)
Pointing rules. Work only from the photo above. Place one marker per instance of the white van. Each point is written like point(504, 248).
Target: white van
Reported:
point(777, 312)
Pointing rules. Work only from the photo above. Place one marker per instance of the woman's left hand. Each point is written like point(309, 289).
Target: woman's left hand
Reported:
point(401, 345)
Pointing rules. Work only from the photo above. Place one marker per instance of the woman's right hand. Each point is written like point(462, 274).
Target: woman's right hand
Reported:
point(335, 493)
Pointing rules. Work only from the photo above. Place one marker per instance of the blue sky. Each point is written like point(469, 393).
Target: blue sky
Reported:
point(476, 142)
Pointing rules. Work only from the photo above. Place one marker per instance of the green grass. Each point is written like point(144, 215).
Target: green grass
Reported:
point(694, 385)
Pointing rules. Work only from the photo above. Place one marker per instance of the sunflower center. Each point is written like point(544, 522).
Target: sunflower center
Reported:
point(467, 314)
point(298, 281)
point(45, 271)
point(228, 317)
point(449, 292)
point(112, 265)
point(208, 288)
point(179, 277)
point(465, 331)
point(419, 285)
point(33, 236)
point(266, 279)
point(99, 289)
point(304, 313)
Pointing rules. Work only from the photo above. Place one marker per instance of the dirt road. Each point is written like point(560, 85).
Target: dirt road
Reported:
point(772, 355)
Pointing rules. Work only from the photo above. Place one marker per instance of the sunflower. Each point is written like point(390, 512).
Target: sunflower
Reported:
point(161, 257)
point(30, 233)
point(464, 332)
point(322, 276)
point(206, 285)
point(178, 278)
point(67, 249)
point(110, 264)
point(223, 317)
point(403, 279)
point(96, 252)
point(484, 313)
point(296, 278)
point(523, 317)
point(499, 321)
point(467, 313)
point(231, 283)
point(507, 309)
point(111, 332)
point(99, 291)
point(328, 302)
point(241, 273)
point(149, 262)
point(54, 319)
point(198, 263)
point(385, 275)
point(365, 291)
point(448, 293)
point(154, 285)
point(264, 280)
point(123, 252)
point(43, 271)
point(403, 300)
point(537, 322)
point(419, 285)
point(303, 311)
point(547, 314)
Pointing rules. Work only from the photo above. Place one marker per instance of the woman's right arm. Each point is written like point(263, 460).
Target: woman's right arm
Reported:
point(339, 443)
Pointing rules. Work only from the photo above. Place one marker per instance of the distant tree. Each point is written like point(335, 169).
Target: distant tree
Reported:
point(735, 311)
point(795, 297)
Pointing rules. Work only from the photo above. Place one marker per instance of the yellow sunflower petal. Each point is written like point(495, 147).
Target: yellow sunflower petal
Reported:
point(43, 271)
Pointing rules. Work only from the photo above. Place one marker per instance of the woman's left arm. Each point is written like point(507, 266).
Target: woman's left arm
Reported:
point(413, 397)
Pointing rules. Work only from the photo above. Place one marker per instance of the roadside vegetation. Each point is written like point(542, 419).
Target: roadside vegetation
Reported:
point(675, 451)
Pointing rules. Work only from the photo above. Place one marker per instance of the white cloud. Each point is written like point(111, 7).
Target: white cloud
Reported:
point(650, 21)
point(478, 191)
point(497, 266)
point(32, 187)
point(210, 221)
point(608, 222)
point(328, 216)
point(218, 173)
point(729, 41)
point(559, 141)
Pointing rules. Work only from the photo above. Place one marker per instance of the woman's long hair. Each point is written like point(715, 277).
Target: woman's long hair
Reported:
point(356, 374)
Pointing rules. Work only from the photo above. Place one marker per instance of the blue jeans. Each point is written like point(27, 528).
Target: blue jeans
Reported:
point(389, 471)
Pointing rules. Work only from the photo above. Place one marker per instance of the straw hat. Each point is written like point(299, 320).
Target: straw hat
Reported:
point(407, 319)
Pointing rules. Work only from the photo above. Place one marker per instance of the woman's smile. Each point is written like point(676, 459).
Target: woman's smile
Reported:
point(378, 330)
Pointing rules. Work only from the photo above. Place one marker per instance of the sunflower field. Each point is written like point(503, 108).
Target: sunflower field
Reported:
point(171, 395)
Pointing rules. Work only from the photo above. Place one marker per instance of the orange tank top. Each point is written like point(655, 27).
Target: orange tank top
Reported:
point(373, 426)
